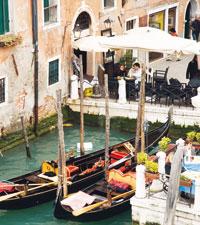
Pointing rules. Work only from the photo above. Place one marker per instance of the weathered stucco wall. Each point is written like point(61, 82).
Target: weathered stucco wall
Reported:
point(56, 41)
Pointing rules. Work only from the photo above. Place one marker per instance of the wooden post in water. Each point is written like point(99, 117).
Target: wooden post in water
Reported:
point(143, 108)
point(28, 153)
point(107, 135)
point(61, 144)
point(81, 109)
point(140, 117)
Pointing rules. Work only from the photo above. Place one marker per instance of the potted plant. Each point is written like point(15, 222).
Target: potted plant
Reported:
point(198, 137)
point(163, 143)
point(185, 181)
point(141, 157)
point(191, 135)
point(151, 170)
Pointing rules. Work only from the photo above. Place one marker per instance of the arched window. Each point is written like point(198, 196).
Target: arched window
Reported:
point(84, 21)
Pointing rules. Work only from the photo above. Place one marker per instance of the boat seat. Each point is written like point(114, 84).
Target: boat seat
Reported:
point(71, 170)
point(127, 178)
point(36, 179)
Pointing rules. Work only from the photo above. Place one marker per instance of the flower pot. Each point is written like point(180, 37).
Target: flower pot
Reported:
point(151, 176)
point(196, 146)
point(186, 183)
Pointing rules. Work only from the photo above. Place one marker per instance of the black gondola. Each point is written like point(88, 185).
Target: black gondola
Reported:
point(100, 208)
point(41, 194)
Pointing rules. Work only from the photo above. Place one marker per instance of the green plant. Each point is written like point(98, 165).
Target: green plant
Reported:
point(127, 59)
point(141, 157)
point(151, 166)
point(191, 135)
point(184, 178)
point(198, 137)
point(163, 143)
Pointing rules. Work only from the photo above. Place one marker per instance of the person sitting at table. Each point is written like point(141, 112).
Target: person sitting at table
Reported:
point(135, 72)
point(121, 72)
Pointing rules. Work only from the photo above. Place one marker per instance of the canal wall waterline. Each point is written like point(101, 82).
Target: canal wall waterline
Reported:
point(183, 116)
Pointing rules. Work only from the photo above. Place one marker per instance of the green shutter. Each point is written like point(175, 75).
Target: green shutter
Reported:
point(1, 18)
point(4, 16)
point(46, 3)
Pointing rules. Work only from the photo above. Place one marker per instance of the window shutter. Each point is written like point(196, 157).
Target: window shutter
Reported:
point(4, 17)
point(1, 18)
point(46, 3)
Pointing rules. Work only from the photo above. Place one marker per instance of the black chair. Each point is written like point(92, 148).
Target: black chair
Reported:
point(161, 93)
point(131, 90)
point(176, 91)
point(160, 77)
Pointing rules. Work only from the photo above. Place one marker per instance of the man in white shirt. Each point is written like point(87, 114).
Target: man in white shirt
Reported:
point(135, 72)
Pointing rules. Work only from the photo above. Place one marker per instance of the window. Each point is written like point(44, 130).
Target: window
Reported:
point(109, 4)
point(84, 21)
point(130, 24)
point(53, 71)
point(50, 11)
point(2, 90)
point(4, 17)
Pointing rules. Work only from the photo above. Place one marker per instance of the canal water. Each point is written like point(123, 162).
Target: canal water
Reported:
point(14, 163)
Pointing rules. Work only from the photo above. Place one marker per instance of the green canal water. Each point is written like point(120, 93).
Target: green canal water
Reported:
point(14, 163)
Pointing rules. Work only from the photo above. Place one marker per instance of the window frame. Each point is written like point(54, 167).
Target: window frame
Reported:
point(110, 8)
point(136, 18)
point(51, 24)
point(59, 70)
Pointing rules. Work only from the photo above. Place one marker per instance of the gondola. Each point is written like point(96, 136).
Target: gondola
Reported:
point(99, 208)
point(43, 189)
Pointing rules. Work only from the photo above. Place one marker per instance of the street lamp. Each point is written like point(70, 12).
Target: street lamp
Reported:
point(77, 31)
point(107, 23)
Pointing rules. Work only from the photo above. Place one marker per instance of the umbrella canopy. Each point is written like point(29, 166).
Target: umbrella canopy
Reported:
point(90, 44)
point(151, 39)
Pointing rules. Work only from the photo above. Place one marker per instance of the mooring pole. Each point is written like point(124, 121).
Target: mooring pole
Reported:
point(28, 153)
point(61, 143)
point(81, 109)
point(107, 135)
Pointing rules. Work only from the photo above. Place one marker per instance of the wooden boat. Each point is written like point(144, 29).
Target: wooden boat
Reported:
point(43, 189)
point(95, 194)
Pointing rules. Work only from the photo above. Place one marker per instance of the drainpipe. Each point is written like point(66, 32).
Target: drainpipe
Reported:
point(35, 47)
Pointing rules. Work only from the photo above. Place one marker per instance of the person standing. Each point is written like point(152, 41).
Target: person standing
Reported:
point(195, 27)
point(192, 71)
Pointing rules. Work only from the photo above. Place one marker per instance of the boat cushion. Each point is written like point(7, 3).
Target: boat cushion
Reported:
point(70, 170)
point(118, 186)
point(6, 187)
point(127, 178)
point(117, 154)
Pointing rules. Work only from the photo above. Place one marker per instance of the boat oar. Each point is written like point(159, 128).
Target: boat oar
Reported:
point(5, 197)
point(79, 212)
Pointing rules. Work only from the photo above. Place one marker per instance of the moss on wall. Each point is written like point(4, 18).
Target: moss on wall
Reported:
point(117, 123)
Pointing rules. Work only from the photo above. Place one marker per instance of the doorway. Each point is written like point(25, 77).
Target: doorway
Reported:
point(187, 22)
point(77, 53)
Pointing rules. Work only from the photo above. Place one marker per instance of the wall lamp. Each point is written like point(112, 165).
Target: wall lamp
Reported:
point(77, 31)
point(108, 23)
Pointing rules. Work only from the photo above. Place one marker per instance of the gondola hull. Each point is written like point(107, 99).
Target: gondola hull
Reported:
point(100, 214)
point(45, 194)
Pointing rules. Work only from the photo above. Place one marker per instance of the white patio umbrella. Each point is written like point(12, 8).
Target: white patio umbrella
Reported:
point(151, 39)
point(90, 44)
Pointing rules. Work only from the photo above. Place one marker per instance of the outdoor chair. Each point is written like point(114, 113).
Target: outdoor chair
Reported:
point(160, 77)
point(113, 88)
point(161, 93)
point(131, 90)
point(176, 91)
